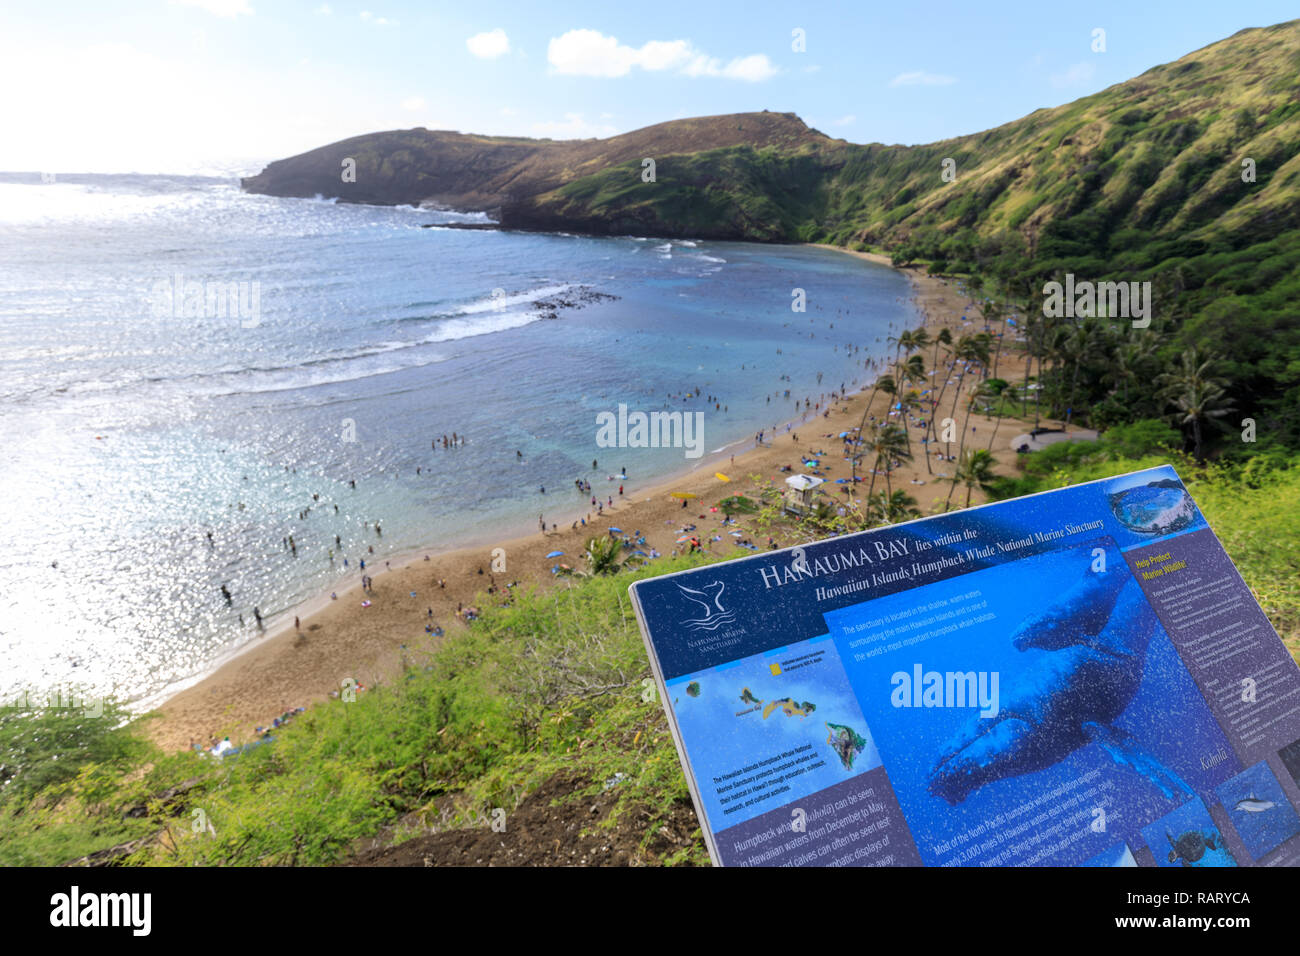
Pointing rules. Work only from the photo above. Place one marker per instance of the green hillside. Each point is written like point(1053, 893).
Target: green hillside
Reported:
point(1140, 182)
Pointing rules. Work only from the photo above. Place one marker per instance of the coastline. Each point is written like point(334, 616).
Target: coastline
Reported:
point(341, 639)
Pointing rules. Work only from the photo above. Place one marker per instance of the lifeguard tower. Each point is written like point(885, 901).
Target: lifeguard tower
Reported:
point(799, 491)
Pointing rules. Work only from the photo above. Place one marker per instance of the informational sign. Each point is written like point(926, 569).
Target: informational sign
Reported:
point(1078, 677)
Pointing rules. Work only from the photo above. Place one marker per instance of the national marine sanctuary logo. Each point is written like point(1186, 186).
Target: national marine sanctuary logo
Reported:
point(709, 599)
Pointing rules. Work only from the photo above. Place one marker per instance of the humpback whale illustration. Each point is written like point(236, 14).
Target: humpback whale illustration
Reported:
point(715, 615)
point(1094, 643)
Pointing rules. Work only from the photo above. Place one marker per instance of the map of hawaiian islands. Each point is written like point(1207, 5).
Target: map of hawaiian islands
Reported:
point(845, 741)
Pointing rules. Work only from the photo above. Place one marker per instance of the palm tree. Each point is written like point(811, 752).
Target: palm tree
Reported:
point(909, 401)
point(980, 394)
point(911, 372)
point(885, 383)
point(993, 312)
point(1033, 334)
point(1197, 395)
point(1080, 346)
point(888, 508)
point(970, 348)
point(902, 341)
point(997, 418)
point(943, 338)
point(1131, 357)
point(920, 340)
point(974, 470)
point(890, 443)
point(1052, 345)
point(604, 556)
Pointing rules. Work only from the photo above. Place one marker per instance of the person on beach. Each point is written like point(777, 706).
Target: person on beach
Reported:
point(297, 625)
point(257, 615)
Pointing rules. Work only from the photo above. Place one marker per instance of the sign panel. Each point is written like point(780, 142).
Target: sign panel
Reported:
point(1077, 677)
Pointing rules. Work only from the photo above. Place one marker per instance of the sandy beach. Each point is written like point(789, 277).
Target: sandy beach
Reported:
point(341, 639)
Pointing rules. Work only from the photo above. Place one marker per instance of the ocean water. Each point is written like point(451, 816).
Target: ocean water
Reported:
point(138, 417)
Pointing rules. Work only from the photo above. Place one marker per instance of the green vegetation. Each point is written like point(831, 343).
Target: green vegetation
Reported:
point(1250, 505)
point(1142, 182)
point(555, 684)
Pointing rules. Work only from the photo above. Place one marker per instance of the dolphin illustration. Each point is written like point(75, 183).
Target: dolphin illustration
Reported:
point(1253, 804)
point(714, 613)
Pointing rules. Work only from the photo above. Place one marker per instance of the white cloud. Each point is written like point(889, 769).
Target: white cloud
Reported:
point(752, 69)
point(369, 17)
point(489, 45)
point(591, 53)
point(815, 68)
point(220, 8)
point(507, 111)
point(1079, 74)
point(413, 103)
point(922, 78)
point(324, 10)
point(848, 120)
point(573, 126)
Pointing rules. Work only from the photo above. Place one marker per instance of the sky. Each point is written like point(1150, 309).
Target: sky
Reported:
point(228, 85)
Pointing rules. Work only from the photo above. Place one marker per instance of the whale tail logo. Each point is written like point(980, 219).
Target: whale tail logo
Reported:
point(709, 599)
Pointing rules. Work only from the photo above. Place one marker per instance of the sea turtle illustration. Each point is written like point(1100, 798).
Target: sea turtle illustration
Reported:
point(1093, 643)
point(1197, 848)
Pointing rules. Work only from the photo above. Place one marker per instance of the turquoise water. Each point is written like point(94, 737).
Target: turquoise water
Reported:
point(136, 426)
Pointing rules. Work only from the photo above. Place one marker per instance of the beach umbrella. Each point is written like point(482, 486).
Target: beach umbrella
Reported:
point(555, 554)
point(683, 539)
point(615, 530)
point(683, 495)
point(720, 476)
